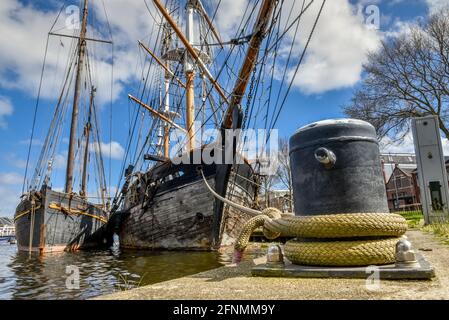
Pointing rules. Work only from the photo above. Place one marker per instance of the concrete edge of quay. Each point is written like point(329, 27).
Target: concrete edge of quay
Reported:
point(235, 282)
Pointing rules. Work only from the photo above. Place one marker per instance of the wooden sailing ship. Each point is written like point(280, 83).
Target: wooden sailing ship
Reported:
point(168, 205)
point(47, 220)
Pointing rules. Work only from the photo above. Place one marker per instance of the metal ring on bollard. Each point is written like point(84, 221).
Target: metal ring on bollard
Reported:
point(326, 157)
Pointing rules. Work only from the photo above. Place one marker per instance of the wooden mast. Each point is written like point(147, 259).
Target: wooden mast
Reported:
point(249, 63)
point(168, 72)
point(193, 53)
point(167, 112)
point(190, 82)
point(87, 130)
point(75, 111)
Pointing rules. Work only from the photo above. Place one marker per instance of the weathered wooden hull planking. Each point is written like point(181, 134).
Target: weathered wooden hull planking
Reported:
point(183, 217)
point(61, 223)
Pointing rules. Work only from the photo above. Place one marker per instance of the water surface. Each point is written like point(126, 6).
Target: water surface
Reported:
point(100, 272)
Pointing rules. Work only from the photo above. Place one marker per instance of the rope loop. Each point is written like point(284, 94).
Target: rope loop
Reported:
point(353, 239)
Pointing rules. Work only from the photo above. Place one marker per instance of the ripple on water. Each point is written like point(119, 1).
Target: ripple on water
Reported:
point(101, 272)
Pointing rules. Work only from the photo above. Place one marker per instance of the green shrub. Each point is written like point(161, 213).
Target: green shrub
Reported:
point(414, 218)
point(439, 229)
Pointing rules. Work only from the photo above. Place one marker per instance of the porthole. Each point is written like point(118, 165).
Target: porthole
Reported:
point(199, 217)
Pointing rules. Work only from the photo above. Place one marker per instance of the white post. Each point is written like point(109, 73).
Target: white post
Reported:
point(190, 10)
point(432, 175)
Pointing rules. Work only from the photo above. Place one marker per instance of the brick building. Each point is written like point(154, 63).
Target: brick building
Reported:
point(402, 191)
point(401, 181)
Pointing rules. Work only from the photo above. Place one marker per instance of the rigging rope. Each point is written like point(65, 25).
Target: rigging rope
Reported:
point(299, 63)
point(36, 107)
point(112, 93)
point(37, 103)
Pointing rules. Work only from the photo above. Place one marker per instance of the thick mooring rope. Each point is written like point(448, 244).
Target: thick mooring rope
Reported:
point(355, 239)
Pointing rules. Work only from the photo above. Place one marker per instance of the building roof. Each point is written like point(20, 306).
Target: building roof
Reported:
point(407, 171)
point(5, 221)
point(398, 158)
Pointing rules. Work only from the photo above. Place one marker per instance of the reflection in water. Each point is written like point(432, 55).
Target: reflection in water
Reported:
point(100, 272)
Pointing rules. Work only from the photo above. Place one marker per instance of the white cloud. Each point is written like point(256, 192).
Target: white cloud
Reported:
point(24, 29)
point(6, 109)
point(228, 17)
point(36, 142)
point(10, 183)
point(14, 160)
point(337, 50)
point(60, 161)
point(394, 2)
point(113, 150)
point(9, 199)
point(406, 146)
point(400, 28)
point(10, 178)
point(436, 5)
point(334, 61)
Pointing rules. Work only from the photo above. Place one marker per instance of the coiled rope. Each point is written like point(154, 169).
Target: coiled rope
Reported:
point(355, 239)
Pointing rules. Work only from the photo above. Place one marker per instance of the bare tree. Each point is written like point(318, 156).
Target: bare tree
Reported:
point(280, 179)
point(284, 172)
point(268, 184)
point(408, 77)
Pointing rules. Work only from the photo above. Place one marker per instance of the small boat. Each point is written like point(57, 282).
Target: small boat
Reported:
point(4, 239)
point(7, 232)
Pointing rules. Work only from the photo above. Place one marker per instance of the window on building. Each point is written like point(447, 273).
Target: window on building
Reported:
point(396, 204)
point(406, 182)
point(398, 182)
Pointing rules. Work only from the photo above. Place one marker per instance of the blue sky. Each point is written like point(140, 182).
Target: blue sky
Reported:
point(325, 83)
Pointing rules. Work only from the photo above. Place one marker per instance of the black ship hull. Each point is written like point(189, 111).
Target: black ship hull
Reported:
point(179, 213)
point(56, 222)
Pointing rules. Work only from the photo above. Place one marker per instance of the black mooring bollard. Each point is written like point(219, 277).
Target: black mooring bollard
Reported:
point(336, 169)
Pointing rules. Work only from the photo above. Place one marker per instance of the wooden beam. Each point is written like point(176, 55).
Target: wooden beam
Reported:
point(190, 48)
point(190, 110)
point(157, 114)
point(75, 37)
point(199, 4)
point(151, 53)
point(76, 99)
point(249, 63)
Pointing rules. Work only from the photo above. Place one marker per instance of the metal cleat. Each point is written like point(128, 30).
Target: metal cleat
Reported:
point(275, 257)
point(405, 255)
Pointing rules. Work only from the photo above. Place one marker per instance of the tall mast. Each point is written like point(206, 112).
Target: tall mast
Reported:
point(167, 112)
point(75, 111)
point(190, 78)
point(87, 130)
point(167, 45)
